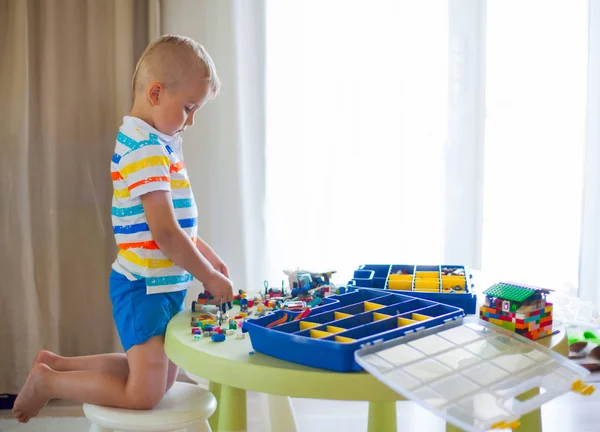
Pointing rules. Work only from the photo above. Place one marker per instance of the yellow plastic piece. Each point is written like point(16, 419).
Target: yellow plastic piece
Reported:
point(437, 290)
point(453, 281)
point(333, 329)
point(419, 317)
point(404, 285)
point(340, 315)
point(343, 339)
point(427, 283)
point(428, 274)
point(507, 425)
point(372, 306)
point(380, 316)
point(304, 325)
point(402, 322)
point(318, 334)
point(496, 321)
point(243, 314)
point(585, 389)
point(400, 277)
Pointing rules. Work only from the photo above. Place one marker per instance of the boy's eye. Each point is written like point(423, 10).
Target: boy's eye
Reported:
point(188, 109)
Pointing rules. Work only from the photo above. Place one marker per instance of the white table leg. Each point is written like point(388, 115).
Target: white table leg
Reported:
point(277, 414)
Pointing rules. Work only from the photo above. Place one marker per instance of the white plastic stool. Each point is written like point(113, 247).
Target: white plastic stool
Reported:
point(184, 406)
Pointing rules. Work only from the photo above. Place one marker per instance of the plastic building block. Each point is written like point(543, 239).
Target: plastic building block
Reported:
point(229, 332)
point(218, 337)
point(509, 292)
point(197, 336)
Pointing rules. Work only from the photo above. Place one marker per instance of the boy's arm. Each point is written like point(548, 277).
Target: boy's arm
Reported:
point(212, 257)
point(175, 244)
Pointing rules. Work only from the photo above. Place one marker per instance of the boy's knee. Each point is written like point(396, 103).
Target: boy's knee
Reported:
point(146, 401)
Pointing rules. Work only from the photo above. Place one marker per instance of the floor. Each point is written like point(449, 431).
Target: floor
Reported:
point(570, 413)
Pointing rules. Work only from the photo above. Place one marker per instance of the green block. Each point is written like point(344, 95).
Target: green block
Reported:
point(509, 292)
point(509, 325)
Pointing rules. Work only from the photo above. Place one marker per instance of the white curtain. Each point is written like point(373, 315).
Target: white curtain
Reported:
point(426, 132)
point(224, 150)
point(535, 137)
point(356, 126)
point(589, 269)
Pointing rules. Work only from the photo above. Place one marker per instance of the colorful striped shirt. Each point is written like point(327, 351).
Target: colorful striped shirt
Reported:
point(146, 160)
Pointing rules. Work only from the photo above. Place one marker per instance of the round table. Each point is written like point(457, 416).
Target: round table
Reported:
point(232, 367)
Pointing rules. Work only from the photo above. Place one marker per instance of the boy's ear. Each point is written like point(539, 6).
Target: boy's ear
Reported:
point(154, 93)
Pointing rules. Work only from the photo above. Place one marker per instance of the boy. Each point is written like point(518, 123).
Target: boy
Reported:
point(155, 224)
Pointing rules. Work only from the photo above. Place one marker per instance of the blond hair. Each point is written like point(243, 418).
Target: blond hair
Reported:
point(172, 60)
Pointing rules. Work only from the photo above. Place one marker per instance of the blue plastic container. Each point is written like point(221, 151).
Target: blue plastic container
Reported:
point(338, 329)
point(378, 276)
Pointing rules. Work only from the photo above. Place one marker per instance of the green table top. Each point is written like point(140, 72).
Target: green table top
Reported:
point(230, 363)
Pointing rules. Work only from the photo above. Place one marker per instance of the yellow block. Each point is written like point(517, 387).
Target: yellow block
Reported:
point(452, 281)
point(318, 334)
point(419, 317)
point(404, 285)
point(380, 316)
point(340, 315)
point(548, 309)
point(496, 321)
point(400, 277)
point(343, 339)
point(372, 306)
point(437, 290)
point(402, 322)
point(333, 329)
point(428, 274)
point(304, 325)
point(427, 283)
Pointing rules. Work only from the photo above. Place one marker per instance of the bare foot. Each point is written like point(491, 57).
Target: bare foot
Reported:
point(33, 395)
point(45, 357)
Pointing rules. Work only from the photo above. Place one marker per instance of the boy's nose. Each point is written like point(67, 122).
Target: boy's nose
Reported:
point(190, 121)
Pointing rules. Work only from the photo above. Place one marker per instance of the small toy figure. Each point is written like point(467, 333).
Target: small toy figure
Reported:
point(519, 308)
point(244, 305)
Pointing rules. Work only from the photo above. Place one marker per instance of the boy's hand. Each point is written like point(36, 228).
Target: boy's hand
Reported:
point(220, 287)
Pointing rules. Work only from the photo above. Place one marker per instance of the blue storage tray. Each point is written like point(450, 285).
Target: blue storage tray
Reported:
point(341, 327)
point(378, 276)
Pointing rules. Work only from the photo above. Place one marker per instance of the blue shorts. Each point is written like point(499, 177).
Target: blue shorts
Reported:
point(139, 316)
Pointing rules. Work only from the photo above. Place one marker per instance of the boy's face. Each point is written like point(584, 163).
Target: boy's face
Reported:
point(174, 109)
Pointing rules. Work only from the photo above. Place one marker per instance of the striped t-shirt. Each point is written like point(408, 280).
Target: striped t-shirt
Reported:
point(146, 160)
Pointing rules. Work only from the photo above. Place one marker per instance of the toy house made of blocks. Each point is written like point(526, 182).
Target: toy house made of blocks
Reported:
point(518, 308)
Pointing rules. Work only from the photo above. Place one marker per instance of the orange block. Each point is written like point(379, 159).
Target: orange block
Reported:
point(545, 320)
point(521, 326)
